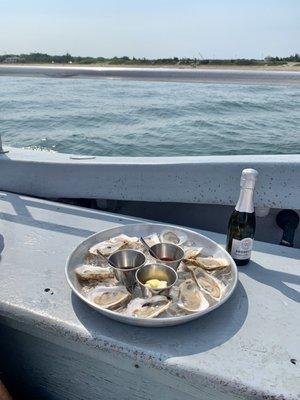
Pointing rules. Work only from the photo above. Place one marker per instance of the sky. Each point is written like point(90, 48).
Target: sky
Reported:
point(151, 28)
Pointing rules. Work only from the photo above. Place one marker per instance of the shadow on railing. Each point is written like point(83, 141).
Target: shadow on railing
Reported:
point(277, 279)
point(201, 335)
point(30, 211)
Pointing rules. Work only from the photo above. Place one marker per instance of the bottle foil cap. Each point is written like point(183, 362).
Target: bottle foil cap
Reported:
point(248, 178)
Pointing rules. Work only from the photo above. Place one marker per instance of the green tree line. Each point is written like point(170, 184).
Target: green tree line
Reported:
point(43, 58)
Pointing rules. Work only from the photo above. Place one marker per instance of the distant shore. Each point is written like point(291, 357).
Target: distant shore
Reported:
point(289, 67)
point(166, 73)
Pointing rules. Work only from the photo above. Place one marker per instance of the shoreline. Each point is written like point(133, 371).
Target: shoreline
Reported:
point(154, 73)
point(290, 67)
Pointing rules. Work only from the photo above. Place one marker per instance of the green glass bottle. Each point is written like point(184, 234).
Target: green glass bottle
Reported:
point(241, 226)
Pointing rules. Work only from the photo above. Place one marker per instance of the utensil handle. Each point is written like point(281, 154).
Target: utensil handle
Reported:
point(148, 247)
point(105, 259)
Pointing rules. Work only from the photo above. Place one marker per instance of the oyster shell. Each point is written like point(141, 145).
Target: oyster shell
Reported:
point(174, 294)
point(191, 298)
point(192, 252)
point(208, 283)
point(148, 308)
point(209, 263)
point(151, 240)
point(111, 245)
point(172, 237)
point(110, 298)
point(94, 260)
point(93, 273)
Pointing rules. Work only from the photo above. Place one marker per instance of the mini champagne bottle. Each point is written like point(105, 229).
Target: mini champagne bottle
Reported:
point(241, 226)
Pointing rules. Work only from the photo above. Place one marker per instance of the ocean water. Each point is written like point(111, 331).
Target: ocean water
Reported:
point(135, 118)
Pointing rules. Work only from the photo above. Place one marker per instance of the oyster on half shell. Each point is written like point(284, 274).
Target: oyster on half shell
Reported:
point(169, 236)
point(151, 240)
point(148, 308)
point(109, 298)
point(209, 284)
point(111, 245)
point(192, 252)
point(191, 298)
point(208, 263)
point(93, 273)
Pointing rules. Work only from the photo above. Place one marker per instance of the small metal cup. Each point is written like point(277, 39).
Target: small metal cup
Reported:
point(126, 263)
point(155, 271)
point(165, 251)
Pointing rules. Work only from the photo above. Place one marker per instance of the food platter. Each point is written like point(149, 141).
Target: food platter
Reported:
point(225, 277)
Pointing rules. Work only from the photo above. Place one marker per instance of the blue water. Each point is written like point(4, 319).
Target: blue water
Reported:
point(122, 117)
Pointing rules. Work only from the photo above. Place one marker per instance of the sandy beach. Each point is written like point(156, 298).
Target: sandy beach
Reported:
point(293, 66)
point(205, 74)
point(289, 67)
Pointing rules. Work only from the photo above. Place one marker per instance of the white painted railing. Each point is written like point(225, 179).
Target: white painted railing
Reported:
point(200, 180)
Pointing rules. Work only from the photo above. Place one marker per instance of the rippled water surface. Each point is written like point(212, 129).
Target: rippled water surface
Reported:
point(119, 117)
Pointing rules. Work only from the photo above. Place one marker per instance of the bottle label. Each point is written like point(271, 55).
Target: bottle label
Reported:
point(241, 249)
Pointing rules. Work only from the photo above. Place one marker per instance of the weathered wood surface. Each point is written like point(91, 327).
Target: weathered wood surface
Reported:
point(248, 348)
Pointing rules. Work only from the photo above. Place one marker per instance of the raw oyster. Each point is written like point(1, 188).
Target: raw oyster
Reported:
point(85, 289)
point(208, 283)
point(95, 260)
point(148, 308)
point(191, 298)
point(110, 246)
point(208, 263)
point(192, 252)
point(224, 275)
point(93, 273)
point(151, 240)
point(172, 237)
point(110, 298)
